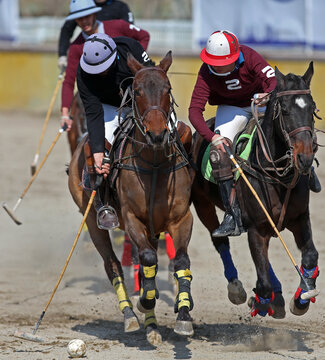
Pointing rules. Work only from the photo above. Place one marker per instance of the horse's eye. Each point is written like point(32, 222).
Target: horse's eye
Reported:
point(136, 92)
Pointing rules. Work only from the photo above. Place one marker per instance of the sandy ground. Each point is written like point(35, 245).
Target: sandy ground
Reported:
point(85, 306)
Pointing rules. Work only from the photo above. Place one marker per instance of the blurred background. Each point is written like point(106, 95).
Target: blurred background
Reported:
point(288, 33)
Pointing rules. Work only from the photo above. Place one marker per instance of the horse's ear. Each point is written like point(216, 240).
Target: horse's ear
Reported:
point(309, 73)
point(133, 64)
point(279, 78)
point(166, 61)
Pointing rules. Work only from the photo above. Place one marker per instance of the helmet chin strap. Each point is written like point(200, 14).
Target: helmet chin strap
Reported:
point(221, 74)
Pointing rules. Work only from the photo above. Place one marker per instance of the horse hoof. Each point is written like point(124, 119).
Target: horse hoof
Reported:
point(141, 308)
point(153, 336)
point(184, 328)
point(131, 322)
point(278, 306)
point(297, 311)
point(236, 292)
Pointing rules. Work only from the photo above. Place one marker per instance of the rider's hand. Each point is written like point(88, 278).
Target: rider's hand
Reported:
point(99, 166)
point(66, 119)
point(219, 141)
point(261, 99)
point(62, 63)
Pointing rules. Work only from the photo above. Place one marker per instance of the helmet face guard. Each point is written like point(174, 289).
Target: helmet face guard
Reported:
point(222, 49)
point(99, 53)
point(81, 8)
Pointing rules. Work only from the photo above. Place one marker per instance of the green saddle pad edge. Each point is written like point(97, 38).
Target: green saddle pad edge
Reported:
point(206, 168)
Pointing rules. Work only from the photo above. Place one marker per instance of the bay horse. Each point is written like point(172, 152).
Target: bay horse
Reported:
point(151, 195)
point(278, 168)
point(79, 124)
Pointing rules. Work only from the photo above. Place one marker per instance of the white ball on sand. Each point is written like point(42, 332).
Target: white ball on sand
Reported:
point(76, 348)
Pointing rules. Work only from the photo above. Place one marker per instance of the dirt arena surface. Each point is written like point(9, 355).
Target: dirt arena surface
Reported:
point(85, 305)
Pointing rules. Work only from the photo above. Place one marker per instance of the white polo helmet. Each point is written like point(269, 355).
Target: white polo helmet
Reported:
point(80, 8)
point(222, 49)
point(99, 53)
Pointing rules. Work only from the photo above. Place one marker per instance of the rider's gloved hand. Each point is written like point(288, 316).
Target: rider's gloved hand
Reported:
point(62, 63)
point(101, 166)
point(66, 119)
point(261, 99)
point(219, 141)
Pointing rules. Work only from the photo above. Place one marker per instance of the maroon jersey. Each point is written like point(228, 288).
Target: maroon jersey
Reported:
point(113, 28)
point(252, 75)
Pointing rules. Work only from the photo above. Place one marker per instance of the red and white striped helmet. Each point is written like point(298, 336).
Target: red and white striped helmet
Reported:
point(222, 49)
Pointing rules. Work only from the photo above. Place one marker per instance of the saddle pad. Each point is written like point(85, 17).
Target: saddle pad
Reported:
point(206, 168)
point(245, 139)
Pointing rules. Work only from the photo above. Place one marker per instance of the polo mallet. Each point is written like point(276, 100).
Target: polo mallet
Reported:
point(32, 336)
point(4, 204)
point(49, 111)
point(311, 292)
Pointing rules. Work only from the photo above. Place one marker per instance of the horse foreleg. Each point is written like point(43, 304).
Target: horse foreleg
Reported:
point(206, 212)
point(114, 271)
point(261, 304)
point(302, 232)
point(181, 233)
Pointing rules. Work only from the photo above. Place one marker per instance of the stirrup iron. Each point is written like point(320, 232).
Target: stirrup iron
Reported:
point(107, 218)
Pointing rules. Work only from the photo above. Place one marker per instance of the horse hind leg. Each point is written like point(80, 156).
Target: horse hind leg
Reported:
point(278, 303)
point(114, 272)
point(151, 326)
point(236, 292)
point(131, 322)
point(206, 212)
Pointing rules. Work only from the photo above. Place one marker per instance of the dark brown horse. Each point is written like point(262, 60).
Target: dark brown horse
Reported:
point(278, 169)
point(152, 194)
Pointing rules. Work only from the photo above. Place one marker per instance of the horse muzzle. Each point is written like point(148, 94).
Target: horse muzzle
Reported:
point(157, 141)
point(303, 154)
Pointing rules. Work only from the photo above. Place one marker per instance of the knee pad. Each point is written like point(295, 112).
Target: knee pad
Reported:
point(221, 164)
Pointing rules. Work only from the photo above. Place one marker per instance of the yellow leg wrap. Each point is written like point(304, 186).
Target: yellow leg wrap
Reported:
point(149, 272)
point(183, 298)
point(186, 274)
point(121, 293)
point(150, 319)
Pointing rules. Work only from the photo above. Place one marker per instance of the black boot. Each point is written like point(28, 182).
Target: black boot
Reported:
point(314, 184)
point(232, 224)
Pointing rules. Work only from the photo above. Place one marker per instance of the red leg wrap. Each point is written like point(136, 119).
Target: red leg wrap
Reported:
point(170, 249)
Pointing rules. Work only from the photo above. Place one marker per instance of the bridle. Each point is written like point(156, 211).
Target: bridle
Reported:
point(277, 114)
point(296, 131)
point(139, 118)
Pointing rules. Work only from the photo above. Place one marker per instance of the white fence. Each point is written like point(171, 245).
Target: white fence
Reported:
point(164, 34)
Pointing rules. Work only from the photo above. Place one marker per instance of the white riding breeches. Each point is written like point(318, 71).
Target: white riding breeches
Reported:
point(111, 120)
point(232, 119)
